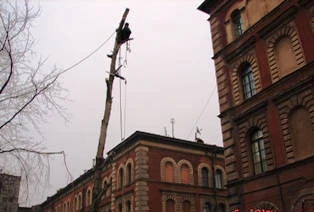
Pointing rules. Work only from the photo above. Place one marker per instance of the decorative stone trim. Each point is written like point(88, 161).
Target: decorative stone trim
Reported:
point(290, 31)
point(236, 80)
point(305, 99)
point(124, 200)
point(178, 198)
point(141, 175)
point(306, 192)
point(215, 26)
point(266, 205)
point(114, 186)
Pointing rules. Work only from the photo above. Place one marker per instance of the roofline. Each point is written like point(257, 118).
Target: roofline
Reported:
point(78, 180)
point(204, 7)
point(137, 135)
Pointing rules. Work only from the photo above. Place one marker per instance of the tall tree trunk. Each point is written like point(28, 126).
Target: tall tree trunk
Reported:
point(98, 190)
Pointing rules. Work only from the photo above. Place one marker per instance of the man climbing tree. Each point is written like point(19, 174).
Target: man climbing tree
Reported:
point(124, 35)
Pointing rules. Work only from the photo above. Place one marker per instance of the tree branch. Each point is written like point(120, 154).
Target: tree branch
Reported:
point(30, 151)
point(37, 92)
point(9, 51)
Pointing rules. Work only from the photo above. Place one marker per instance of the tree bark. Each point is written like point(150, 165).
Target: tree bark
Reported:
point(97, 191)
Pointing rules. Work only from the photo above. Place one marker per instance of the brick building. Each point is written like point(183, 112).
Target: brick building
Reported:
point(148, 172)
point(264, 59)
point(9, 192)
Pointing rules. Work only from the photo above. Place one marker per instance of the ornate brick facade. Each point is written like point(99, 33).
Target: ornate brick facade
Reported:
point(264, 58)
point(136, 177)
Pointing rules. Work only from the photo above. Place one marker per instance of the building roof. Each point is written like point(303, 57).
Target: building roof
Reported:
point(210, 6)
point(138, 135)
point(131, 140)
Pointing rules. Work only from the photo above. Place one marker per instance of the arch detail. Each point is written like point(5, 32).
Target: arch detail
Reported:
point(186, 162)
point(245, 128)
point(236, 80)
point(163, 163)
point(210, 174)
point(303, 99)
point(289, 31)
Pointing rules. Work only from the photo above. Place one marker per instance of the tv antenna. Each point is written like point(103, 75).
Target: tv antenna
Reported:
point(172, 121)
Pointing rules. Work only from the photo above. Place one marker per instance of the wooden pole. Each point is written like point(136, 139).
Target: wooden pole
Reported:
point(98, 190)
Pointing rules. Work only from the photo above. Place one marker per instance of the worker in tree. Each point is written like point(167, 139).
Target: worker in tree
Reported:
point(124, 34)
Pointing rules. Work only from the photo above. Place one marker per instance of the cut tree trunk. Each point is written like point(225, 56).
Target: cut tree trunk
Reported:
point(98, 190)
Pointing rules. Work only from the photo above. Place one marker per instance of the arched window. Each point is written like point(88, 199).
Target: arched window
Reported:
point(258, 151)
point(205, 177)
point(79, 201)
point(184, 173)
point(88, 197)
point(128, 206)
point(107, 187)
point(75, 206)
point(170, 205)
point(169, 172)
point(218, 178)
point(120, 180)
point(286, 59)
point(221, 208)
point(248, 85)
point(186, 206)
point(129, 173)
point(207, 207)
point(301, 131)
point(120, 208)
point(237, 22)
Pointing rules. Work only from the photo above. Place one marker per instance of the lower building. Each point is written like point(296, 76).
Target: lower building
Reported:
point(9, 192)
point(148, 172)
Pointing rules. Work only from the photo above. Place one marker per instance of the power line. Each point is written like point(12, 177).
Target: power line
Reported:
point(29, 88)
point(203, 110)
point(89, 55)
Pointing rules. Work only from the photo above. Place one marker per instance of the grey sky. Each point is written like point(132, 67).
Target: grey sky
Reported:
point(169, 75)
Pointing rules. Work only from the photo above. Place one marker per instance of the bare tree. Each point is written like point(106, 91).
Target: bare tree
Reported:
point(28, 92)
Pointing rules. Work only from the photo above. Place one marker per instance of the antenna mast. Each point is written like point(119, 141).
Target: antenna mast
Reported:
point(172, 124)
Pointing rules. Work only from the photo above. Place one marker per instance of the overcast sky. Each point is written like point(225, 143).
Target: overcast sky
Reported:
point(169, 74)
